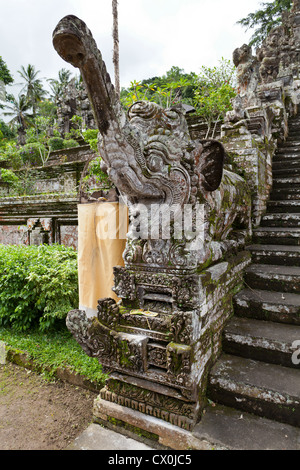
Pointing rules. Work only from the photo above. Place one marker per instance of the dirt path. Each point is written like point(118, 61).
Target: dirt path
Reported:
point(36, 415)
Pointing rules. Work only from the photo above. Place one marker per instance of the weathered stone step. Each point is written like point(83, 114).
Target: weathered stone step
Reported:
point(267, 390)
point(258, 304)
point(291, 205)
point(280, 220)
point(275, 254)
point(295, 144)
point(288, 149)
point(282, 194)
point(294, 127)
point(229, 429)
point(286, 163)
point(281, 182)
point(285, 156)
point(286, 172)
point(273, 277)
point(277, 235)
point(265, 341)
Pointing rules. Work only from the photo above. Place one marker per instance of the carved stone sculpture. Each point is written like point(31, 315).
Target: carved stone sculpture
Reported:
point(153, 334)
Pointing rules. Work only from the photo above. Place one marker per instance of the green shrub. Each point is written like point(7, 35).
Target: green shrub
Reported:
point(89, 134)
point(91, 137)
point(38, 285)
point(69, 143)
point(56, 143)
point(8, 176)
point(11, 153)
point(31, 153)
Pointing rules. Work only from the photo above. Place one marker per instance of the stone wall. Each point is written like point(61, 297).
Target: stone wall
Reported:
point(50, 214)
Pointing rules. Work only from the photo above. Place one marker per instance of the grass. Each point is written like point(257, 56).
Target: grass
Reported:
point(52, 350)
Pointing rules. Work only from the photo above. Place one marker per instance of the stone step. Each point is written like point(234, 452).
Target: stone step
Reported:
point(282, 194)
point(280, 307)
point(286, 163)
point(273, 278)
point(294, 144)
point(264, 389)
point(265, 341)
point(286, 157)
point(288, 149)
point(229, 429)
point(280, 220)
point(277, 235)
point(281, 182)
point(286, 172)
point(291, 205)
point(275, 254)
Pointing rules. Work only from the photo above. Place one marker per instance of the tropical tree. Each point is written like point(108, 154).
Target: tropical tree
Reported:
point(173, 87)
point(216, 86)
point(33, 87)
point(58, 86)
point(5, 75)
point(5, 79)
point(19, 110)
point(263, 20)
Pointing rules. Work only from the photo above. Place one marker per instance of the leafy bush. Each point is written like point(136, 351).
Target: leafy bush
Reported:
point(69, 143)
point(89, 134)
point(38, 285)
point(31, 153)
point(11, 153)
point(56, 143)
point(91, 137)
point(7, 132)
point(8, 176)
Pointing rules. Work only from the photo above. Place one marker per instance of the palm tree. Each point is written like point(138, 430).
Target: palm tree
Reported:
point(116, 46)
point(19, 111)
point(55, 91)
point(58, 86)
point(33, 88)
point(64, 77)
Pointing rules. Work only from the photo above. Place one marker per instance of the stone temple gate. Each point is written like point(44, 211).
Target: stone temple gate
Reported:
point(160, 341)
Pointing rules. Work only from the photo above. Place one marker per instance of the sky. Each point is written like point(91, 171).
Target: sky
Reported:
point(154, 35)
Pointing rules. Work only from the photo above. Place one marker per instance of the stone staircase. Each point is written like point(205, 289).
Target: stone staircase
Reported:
point(254, 387)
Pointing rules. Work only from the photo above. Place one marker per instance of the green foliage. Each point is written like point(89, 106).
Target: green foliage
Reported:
point(91, 137)
point(176, 86)
point(56, 143)
point(33, 87)
point(11, 153)
point(38, 285)
point(7, 132)
point(31, 153)
point(214, 92)
point(70, 143)
point(95, 177)
point(8, 176)
point(210, 92)
point(265, 19)
point(5, 75)
point(5, 79)
point(53, 349)
point(19, 111)
point(26, 183)
point(58, 87)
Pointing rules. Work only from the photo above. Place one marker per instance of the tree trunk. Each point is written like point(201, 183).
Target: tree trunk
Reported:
point(116, 46)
